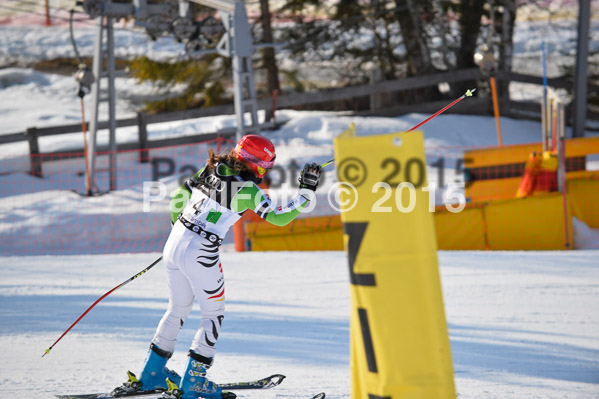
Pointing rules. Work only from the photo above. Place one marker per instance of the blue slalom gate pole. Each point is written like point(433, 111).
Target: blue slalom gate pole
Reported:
point(544, 121)
point(544, 55)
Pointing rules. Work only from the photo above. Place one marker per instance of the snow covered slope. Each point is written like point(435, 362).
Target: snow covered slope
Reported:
point(522, 324)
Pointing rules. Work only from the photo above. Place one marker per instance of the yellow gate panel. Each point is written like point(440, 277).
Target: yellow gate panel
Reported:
point(485, 190)
point(533, 223)
point(582, 146)
point(323, 233)
point(460, 231)
point(584, 200)
point(502, 155)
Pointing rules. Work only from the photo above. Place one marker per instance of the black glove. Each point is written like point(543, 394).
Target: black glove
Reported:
point(310, 176)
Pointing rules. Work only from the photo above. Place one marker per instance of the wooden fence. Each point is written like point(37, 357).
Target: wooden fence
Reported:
point(142, 120)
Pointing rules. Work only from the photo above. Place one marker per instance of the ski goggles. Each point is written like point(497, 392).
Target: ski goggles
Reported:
point(243, 154)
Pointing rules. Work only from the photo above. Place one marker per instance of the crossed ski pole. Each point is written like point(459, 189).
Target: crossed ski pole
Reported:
point(47, 351)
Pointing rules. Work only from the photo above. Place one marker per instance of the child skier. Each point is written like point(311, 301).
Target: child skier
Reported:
point(202, 211)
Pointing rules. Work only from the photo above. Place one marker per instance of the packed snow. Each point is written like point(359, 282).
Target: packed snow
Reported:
point(521, 324)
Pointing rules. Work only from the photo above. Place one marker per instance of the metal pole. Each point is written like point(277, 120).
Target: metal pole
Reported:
point(95, 95)
point(554, 108)
point(580, 74)
point(237, 44)
point(88, 184)
point(243, 79)
point(544, 125)
point(544, 108)
point(562, 179)
point(111, 103)
point(561, 171)
point(250, 88)
point(238, 96)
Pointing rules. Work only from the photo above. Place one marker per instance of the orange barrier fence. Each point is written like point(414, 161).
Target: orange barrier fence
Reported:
point(496, 173)
point(532, 223)
point(323, 233)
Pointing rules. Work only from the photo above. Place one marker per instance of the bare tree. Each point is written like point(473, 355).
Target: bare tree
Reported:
point(417, 52)
point(508, 18)
point(268, 53)
point(470, 14)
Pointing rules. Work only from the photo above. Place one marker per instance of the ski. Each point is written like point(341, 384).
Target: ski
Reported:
point(155, 394)
point(264, 383)
point(141, 394)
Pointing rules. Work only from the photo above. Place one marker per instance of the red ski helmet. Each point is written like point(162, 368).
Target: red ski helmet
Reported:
point(257, 152)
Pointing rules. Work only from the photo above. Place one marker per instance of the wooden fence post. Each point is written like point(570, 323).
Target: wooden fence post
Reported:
point(34, 152)
point(142, 128)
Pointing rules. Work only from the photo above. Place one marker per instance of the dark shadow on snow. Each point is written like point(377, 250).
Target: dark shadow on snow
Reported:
point(307, 339)
point(248, 333)
point(474, 348)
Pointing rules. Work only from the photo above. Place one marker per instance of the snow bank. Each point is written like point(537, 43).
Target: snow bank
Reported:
point(585, 237)
point(24, 45)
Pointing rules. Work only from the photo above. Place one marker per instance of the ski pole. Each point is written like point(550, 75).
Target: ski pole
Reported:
point(47, 351)
point(467, 94)
point(327, 163)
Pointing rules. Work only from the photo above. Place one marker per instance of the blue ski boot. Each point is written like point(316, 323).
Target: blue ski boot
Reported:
point(194, 384)
point(153, 375)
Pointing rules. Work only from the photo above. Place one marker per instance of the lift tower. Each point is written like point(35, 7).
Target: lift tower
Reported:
point(170, 16)
point(237, 44)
